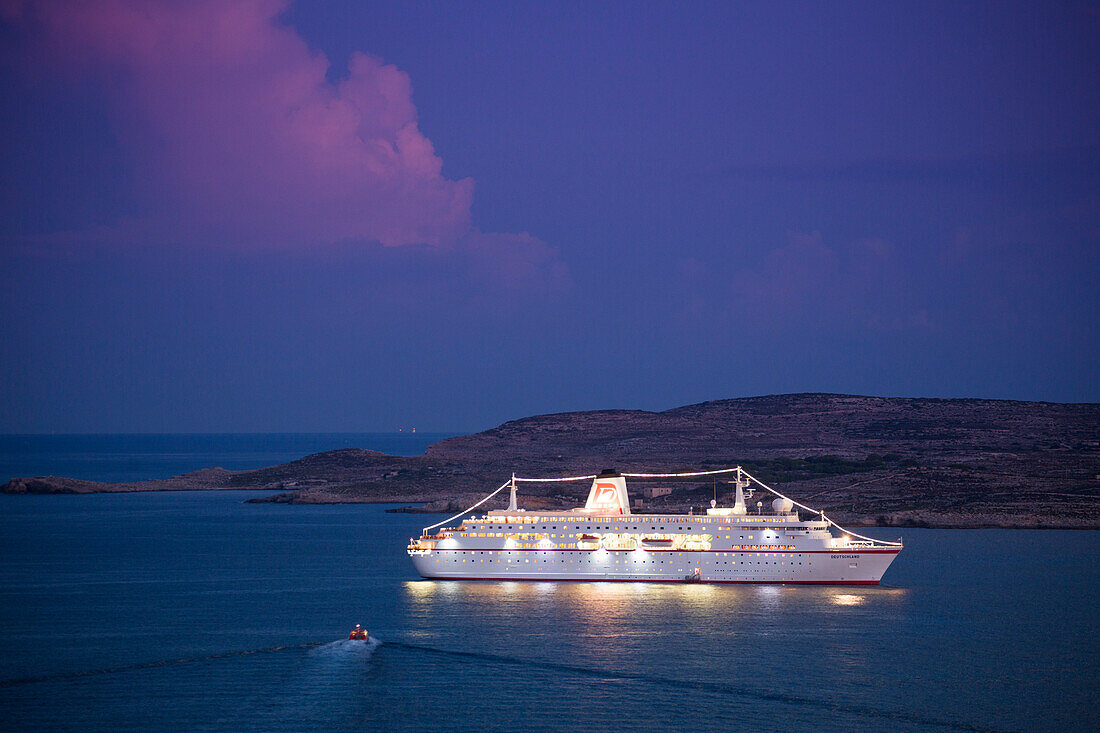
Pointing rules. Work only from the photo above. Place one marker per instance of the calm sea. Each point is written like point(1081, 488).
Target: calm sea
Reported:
point(197, 611)
point(115, 457)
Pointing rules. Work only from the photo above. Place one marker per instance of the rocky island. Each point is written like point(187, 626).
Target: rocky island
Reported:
point(865, 460)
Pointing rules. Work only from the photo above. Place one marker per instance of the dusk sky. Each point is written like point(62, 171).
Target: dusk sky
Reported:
point(223, 216)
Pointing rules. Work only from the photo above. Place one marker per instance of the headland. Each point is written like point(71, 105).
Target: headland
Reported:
point(867, 461)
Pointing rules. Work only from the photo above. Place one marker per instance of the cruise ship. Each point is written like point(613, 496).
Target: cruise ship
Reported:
point(605, 541)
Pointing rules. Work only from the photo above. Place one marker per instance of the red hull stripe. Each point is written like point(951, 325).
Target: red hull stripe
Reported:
point(658, 580)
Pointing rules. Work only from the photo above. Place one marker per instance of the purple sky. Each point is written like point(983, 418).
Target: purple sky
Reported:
point(328, 216)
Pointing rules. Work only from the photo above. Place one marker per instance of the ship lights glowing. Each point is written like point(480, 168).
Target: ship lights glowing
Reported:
point(604, 540)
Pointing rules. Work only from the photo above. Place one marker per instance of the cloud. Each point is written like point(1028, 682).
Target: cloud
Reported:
point(808, 283)
point(1074, 164)
point(236, 133)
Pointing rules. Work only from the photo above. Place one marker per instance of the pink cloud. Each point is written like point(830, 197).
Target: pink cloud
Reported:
point(796, 278)
point(233, 129)
point(807, 282)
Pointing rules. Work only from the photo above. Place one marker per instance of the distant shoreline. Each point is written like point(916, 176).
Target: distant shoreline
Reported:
point(867, 461)
point(135, 457)
point(398, 507)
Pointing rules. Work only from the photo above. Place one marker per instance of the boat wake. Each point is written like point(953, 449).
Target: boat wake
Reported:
point(345, 649)
point(713, 686)
point(15, 681)
point(342, 649)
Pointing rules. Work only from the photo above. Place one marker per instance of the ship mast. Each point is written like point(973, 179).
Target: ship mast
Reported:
point(742, 481)
point(741, 484)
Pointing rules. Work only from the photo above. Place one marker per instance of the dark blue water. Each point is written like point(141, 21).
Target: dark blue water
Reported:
point(115, 457)
point(128, 611)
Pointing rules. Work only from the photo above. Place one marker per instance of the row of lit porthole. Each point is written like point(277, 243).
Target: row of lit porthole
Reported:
point(571, 562)
point(532, 536)
point(654, 562)
point(626, 520)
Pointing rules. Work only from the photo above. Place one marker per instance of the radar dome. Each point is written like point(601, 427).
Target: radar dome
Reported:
point(782, 506)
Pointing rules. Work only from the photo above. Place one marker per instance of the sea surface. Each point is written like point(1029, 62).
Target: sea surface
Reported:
point(197, 611)
point(137, 457)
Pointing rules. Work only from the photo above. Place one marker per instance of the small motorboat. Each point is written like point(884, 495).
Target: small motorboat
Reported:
point(359, 634)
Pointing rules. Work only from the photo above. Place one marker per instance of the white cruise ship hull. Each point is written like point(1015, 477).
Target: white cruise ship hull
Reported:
point(605, 541)
point(836, 567)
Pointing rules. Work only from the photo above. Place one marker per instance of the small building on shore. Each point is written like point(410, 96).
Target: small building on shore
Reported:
point(652, 492)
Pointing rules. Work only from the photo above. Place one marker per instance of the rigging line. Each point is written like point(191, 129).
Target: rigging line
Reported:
point(685, 474)
point(819, 511)
point(781, 496)
point(680, 475)
point(564, 478)
point(503, 486)
point(856, 534)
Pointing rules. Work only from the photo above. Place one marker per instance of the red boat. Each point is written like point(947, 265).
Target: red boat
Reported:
point(359, 634)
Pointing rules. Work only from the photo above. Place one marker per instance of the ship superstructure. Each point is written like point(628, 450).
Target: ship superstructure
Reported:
point(604, 540)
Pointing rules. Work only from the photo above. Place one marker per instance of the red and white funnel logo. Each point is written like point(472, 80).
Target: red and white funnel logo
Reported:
point(608, 496)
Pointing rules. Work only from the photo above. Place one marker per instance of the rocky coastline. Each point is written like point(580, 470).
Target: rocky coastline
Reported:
point(867, 461)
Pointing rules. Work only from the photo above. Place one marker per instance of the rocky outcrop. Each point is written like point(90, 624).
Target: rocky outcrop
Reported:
point(207, 478)
point(866, 460)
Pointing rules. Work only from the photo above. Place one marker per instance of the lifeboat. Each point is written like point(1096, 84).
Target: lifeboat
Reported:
point(588, 542)
point(359, 634)
point(657, 543)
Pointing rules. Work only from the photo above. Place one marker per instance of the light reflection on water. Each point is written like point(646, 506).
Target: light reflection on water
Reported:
point(691, 612)
point(946, 641)
point(756, 641)
point(848, 599)
point(599, 600)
